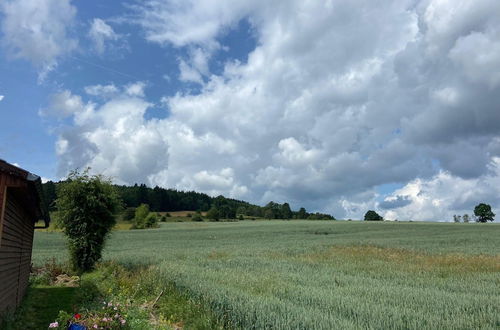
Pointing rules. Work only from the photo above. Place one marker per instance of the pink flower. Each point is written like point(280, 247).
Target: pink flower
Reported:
point(122, 321)
point(54, 325)
point(95, 326)
point(116, 308)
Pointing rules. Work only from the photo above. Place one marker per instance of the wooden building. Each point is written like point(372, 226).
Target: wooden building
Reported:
point(21, 206)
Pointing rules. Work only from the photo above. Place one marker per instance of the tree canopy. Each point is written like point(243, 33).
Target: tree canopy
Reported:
point(372, 216)
point(483, 213)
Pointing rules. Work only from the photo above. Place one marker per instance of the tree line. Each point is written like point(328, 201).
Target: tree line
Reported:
point(170, 200)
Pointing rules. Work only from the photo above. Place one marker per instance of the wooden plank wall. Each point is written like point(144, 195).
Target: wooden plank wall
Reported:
point(15, 253)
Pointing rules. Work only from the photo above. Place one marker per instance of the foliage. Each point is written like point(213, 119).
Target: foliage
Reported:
point(197, 217)
point(372, 216)
point(320, 216)
point(160, 200)
point(483, 213)
point(110, 316)
point(129, 214)
point(145, 219)
point(213, 214)
point(286, 212)
point(466, 218)
point(87, 205)
point(302, 214)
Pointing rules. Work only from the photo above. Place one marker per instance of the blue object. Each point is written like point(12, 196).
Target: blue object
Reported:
point(75, 326)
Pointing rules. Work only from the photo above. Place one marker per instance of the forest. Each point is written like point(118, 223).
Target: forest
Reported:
point(169, 200)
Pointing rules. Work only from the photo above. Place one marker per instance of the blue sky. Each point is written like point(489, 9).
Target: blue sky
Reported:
point(337, 106)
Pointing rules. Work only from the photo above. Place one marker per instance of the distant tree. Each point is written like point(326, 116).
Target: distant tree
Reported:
point(213, 214)
point(241, 210)
point(269, 214)
point(465, 217)
point(372, 216)
point(286, 212)
point(483, 213)
point(455, 218)
point(50, 194)
point(144, 219)
point(87, 205)
point(241, 217)
point(141, 212)
point(302, 214)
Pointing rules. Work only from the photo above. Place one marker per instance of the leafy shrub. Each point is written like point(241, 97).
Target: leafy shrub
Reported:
point(197, 217)
point(87, 205)
point(145, 219)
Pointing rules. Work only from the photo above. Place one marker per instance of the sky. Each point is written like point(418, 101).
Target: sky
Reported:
point(338, 106)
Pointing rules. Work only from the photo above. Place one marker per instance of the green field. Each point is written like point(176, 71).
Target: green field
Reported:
point(321, 274)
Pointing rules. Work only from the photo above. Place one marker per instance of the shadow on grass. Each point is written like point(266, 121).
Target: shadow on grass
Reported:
point(40, 307)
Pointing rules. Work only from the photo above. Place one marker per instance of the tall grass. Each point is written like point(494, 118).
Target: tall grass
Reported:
point(307, 274)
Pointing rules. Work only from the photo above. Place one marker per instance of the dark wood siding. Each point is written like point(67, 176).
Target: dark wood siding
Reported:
point(15, 252)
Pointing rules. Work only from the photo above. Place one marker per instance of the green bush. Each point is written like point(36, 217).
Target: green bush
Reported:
point(87, 205)
point(145, 219)
point(197, 217)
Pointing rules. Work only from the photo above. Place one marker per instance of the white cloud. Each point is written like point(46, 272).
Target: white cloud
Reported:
point(1, 97)
point(63, 104)
point(101, 90)
point(100, 32)
point(38, 31)
point(336, 99)
point(444, 195)
point(135, 89)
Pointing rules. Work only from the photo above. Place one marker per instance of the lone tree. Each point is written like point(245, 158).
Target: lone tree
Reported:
point(372, 216)
point(483, 213)
point(87, 205)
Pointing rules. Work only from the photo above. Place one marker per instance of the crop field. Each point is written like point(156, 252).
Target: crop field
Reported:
point(321, 274)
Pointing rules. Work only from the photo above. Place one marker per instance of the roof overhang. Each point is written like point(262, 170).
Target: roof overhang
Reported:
point(33, 185)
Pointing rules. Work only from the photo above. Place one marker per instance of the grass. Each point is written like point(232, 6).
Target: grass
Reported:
point(317, 274)
point(41, 307)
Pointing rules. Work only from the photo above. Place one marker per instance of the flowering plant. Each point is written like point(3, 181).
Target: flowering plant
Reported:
point(109, 317)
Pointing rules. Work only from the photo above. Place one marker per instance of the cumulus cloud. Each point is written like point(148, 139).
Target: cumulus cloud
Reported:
point(63, 104)
point(38, 31)
point(443, 195)
point(101, 33)
point(1, 97)
point(336, 99)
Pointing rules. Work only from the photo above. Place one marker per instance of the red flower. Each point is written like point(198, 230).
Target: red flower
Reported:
point(77, 316)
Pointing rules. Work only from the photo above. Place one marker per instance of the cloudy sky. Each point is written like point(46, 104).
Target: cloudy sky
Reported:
point(339, 106)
